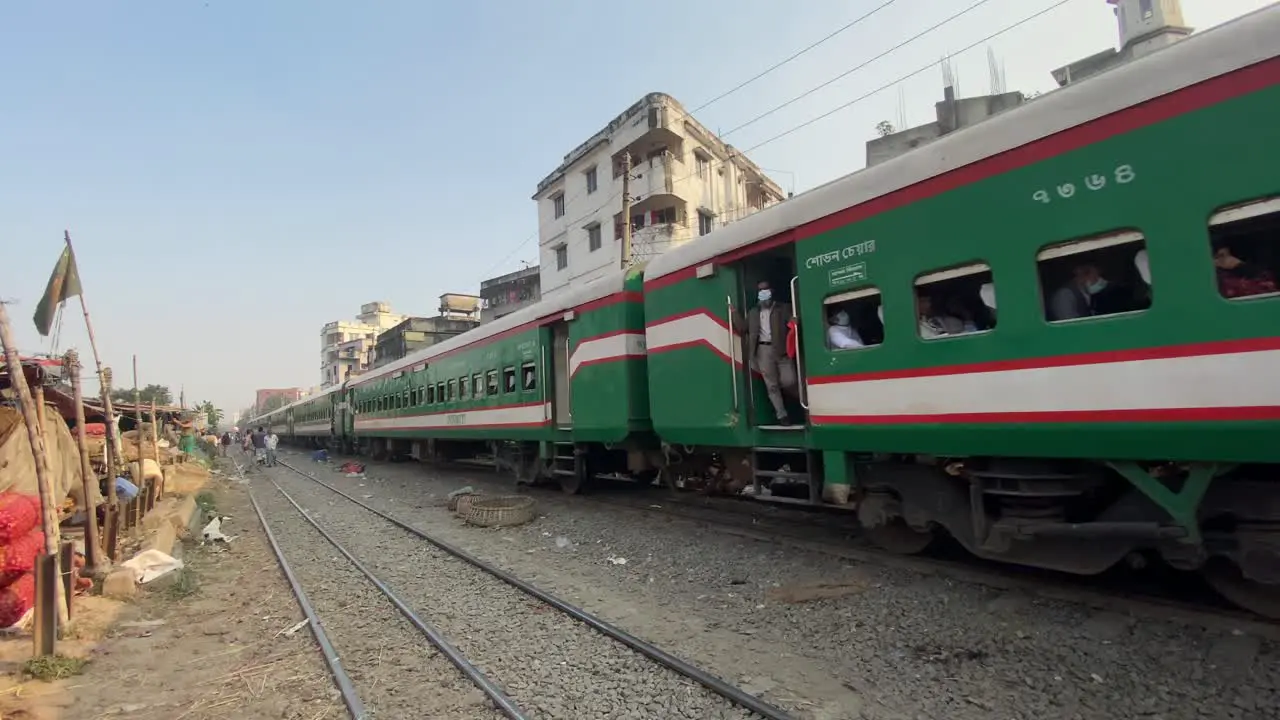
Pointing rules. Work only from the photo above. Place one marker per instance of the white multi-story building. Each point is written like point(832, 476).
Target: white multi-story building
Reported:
point(685, 182)
point(346, 347)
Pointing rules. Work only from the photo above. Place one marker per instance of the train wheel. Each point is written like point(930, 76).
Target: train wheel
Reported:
point(898, 537)
point(1251, 595)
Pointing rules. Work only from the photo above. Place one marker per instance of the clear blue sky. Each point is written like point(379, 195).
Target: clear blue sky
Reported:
point(237, 173)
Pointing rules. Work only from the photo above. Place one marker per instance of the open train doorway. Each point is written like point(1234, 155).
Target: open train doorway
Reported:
point(767, 300)
point(562, 400)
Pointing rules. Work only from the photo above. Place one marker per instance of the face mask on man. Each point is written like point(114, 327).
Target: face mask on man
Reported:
point(1097, 286)
point(842, 318)
point(765, 295)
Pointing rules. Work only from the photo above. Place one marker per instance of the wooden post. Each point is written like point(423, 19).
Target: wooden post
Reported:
point(114, 459)
point(48, 508)
point(45, 619)
point(111, 531)
point(89, 479)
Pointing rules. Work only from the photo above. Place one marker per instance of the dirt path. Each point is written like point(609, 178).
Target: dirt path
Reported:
point(205, 644)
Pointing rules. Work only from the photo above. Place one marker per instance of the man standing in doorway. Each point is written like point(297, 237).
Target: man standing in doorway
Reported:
point(767, 347)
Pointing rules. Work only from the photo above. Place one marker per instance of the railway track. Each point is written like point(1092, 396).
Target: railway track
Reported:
point(589, 651)
point(1173, 597)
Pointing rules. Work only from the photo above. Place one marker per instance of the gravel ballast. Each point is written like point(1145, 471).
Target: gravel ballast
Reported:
point(900, 644)
point(552, 665)
point(396, 672)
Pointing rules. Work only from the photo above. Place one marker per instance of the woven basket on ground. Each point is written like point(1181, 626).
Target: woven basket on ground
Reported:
point(499, 511)
point(461, 504)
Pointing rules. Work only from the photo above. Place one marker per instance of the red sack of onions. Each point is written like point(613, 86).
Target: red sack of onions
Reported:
point(19, 556)
point(17, 599)
point(18, 515)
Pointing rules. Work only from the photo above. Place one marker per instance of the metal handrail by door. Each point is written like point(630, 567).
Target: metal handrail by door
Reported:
point(733, 363)
point(568, 378)
point(803, 391)
point(542, 382)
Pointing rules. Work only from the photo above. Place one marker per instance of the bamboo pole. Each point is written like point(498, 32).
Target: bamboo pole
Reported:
point(104, 384)
point(115, 459)
point(48, 512)
point(155, 447)
point(137, 422)
point(89, 479)
point(37, 394)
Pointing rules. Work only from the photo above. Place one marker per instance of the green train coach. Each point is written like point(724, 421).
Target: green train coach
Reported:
point(312, 418)
point(1059, 346)
point(540, 389)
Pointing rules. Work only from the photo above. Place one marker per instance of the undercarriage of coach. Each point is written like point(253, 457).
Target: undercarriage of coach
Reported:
point(574, 466)
point(1085, 518)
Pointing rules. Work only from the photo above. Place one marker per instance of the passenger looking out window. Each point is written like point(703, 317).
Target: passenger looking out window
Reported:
point(956, 321)
point(840, 334)
point(952, 301)
point(1237, 278)
point(855, 320)
point(1075, 299)
point(1245, 241)
point(1094, 277)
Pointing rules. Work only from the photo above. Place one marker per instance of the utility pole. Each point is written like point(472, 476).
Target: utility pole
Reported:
point(626, 210)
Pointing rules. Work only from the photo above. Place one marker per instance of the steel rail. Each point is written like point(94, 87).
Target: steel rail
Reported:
point(350, 697)
point(505, 704)
point(658, 655)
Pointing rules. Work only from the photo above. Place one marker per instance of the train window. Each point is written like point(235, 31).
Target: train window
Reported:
point(1245, 240)
point(508, 379)
point(464, 387)
point(491, 379)
point(1097, 276)
point(431, 394)
point(440, 396)
point(529, 376)
point(477, 385)
point(954, 301)
point(405, 399)
point(452, 392)
point(853, 319)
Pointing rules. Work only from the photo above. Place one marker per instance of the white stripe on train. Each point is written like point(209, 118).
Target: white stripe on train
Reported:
point(512, 415)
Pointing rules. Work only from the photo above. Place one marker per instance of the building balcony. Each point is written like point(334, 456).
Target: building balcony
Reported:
point(657, 148)
point(656, 178)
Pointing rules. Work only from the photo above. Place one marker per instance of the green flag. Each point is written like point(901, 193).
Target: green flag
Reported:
point(64, 284)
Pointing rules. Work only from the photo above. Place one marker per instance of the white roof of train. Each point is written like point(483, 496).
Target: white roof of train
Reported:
point(1237, 44)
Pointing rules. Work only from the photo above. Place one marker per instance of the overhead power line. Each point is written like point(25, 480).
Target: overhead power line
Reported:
point(858, 67)
point(797, 54)
point(884, 87)
point(908, 76)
